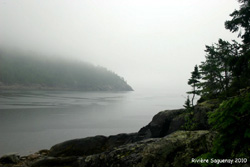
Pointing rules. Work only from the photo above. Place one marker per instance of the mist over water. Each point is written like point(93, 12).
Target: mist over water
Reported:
point(35, 120)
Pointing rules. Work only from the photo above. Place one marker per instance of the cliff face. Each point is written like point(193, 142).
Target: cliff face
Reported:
point(161, 143)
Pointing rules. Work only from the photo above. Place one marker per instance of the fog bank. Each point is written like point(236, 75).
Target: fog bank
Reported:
point(152, 44)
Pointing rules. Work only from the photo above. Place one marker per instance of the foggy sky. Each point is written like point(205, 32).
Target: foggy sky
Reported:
point(151, 43)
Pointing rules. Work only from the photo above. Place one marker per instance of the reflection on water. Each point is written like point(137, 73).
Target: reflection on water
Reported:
point(34, 120)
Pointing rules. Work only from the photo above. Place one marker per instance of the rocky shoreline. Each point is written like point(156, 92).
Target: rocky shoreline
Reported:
point(166, 141)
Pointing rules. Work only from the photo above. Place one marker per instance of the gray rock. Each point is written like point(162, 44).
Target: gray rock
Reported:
point(169, 121)
point(90, 145)
point(160, 124)
point(176, 123)
point(120, 139)
point(79, 147)
point(176, 149)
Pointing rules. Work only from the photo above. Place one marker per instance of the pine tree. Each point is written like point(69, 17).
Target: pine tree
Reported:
point(217, 69)
point(240, 23)
point(194, 82)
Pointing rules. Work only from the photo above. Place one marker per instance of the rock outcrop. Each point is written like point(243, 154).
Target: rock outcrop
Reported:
point(90, 145)
point(161, 124)
point(176, 149)
point(169, 121)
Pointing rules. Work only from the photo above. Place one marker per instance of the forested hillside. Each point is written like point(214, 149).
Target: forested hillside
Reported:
point(26, 71)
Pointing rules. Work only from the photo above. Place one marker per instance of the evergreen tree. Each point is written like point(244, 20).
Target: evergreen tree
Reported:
point(217, 69)
point(194, 82)
point(210, 74)
point(240, 22)
point(231, 121)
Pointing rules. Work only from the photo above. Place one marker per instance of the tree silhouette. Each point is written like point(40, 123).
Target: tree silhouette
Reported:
point(194, 82)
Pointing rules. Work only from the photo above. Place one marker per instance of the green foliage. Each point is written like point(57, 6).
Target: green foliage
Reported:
point(231, 121)
point(187, 104)
point(241, 20)
point(227, 65)
point(225, 73)
point(194, 82)
point(190, 121)
point(217, 69)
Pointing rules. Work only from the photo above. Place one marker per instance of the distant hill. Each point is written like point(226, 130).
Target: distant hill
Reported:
point(20, 71)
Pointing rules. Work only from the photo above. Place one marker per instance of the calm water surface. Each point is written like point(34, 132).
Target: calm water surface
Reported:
point(35, 120)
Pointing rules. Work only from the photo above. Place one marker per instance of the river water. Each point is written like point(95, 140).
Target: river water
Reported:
point(35, 120)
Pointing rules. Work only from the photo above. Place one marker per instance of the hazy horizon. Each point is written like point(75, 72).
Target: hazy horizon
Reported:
point(152, 44)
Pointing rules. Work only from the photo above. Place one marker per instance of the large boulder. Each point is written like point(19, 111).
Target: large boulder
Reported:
point(90, 145)
point(120, 139)
point(161, 124)
point(169, 121)
point(79, 147)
